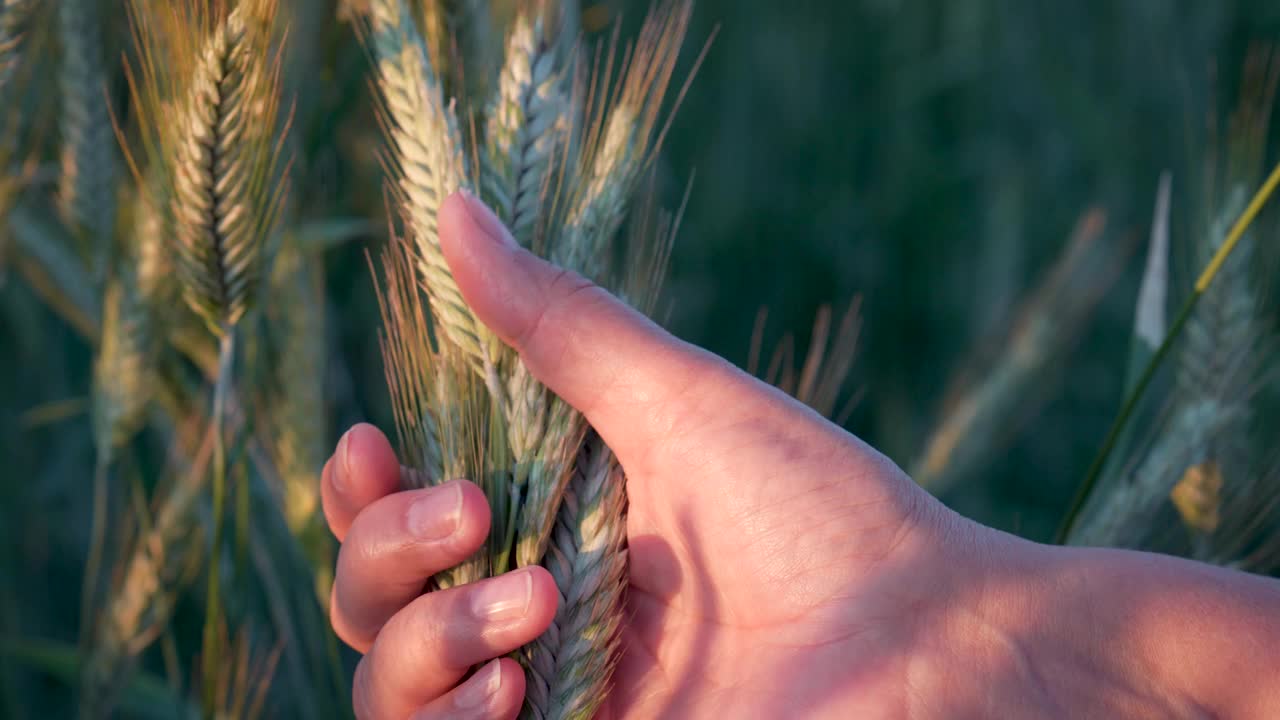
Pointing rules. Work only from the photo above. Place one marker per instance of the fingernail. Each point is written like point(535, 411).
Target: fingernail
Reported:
point(503, 598)
point(435, 515)
point(482, 686)
point(488, 222)
point(344, 464)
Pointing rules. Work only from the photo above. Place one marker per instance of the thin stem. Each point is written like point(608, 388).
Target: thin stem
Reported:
point(1131, 402)
point(212, 651)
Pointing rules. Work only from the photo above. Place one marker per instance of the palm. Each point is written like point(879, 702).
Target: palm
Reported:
point(741, 537)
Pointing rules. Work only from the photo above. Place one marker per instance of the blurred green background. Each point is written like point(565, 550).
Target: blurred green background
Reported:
point(928, 156)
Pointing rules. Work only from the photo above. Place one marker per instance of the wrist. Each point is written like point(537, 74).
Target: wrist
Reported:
point(1078, 632)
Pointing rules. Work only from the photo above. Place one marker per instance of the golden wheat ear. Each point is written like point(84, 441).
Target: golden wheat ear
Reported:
point(206, 89)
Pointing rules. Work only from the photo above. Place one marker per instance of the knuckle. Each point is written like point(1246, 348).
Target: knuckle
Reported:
point(559, 295)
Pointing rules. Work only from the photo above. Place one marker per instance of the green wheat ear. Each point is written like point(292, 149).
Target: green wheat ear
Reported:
point(526, 124)
point(428, 162)
point(87, 183)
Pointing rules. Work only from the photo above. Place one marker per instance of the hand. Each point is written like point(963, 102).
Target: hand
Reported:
point(779, 566)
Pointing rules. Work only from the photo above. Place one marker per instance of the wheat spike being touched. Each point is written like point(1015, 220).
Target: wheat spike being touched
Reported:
point(86, 184)
point(562, 164)
point(428, 163)
point(619, 146)
point(569, 666)
point(527, 121)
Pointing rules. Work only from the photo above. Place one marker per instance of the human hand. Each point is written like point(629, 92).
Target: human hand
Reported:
point(779, 567)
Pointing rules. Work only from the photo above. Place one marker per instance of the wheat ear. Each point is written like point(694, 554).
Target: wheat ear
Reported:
point(428, 162)
point(570, 665)
point(147, 589)
point(224, 205)
point(122, 369)
point(549, 469)
point(13, 15)
point(525, 125)
point(441, 413)
point(617, 148)
point(123, 378)
point(296, 312)
point(86, 186)
point(1205, 436)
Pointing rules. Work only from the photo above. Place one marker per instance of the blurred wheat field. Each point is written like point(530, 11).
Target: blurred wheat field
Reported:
point(963, 230)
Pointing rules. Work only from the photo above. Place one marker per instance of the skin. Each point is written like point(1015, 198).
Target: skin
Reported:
point(780, 567)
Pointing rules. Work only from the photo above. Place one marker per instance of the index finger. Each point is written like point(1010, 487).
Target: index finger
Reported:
point(362, 469)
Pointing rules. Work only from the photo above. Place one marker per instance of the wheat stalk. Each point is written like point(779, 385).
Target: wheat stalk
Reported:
point(86, 185)
point(207, 91)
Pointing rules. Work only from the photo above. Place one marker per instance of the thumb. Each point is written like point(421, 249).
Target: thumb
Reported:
point(631, 379)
